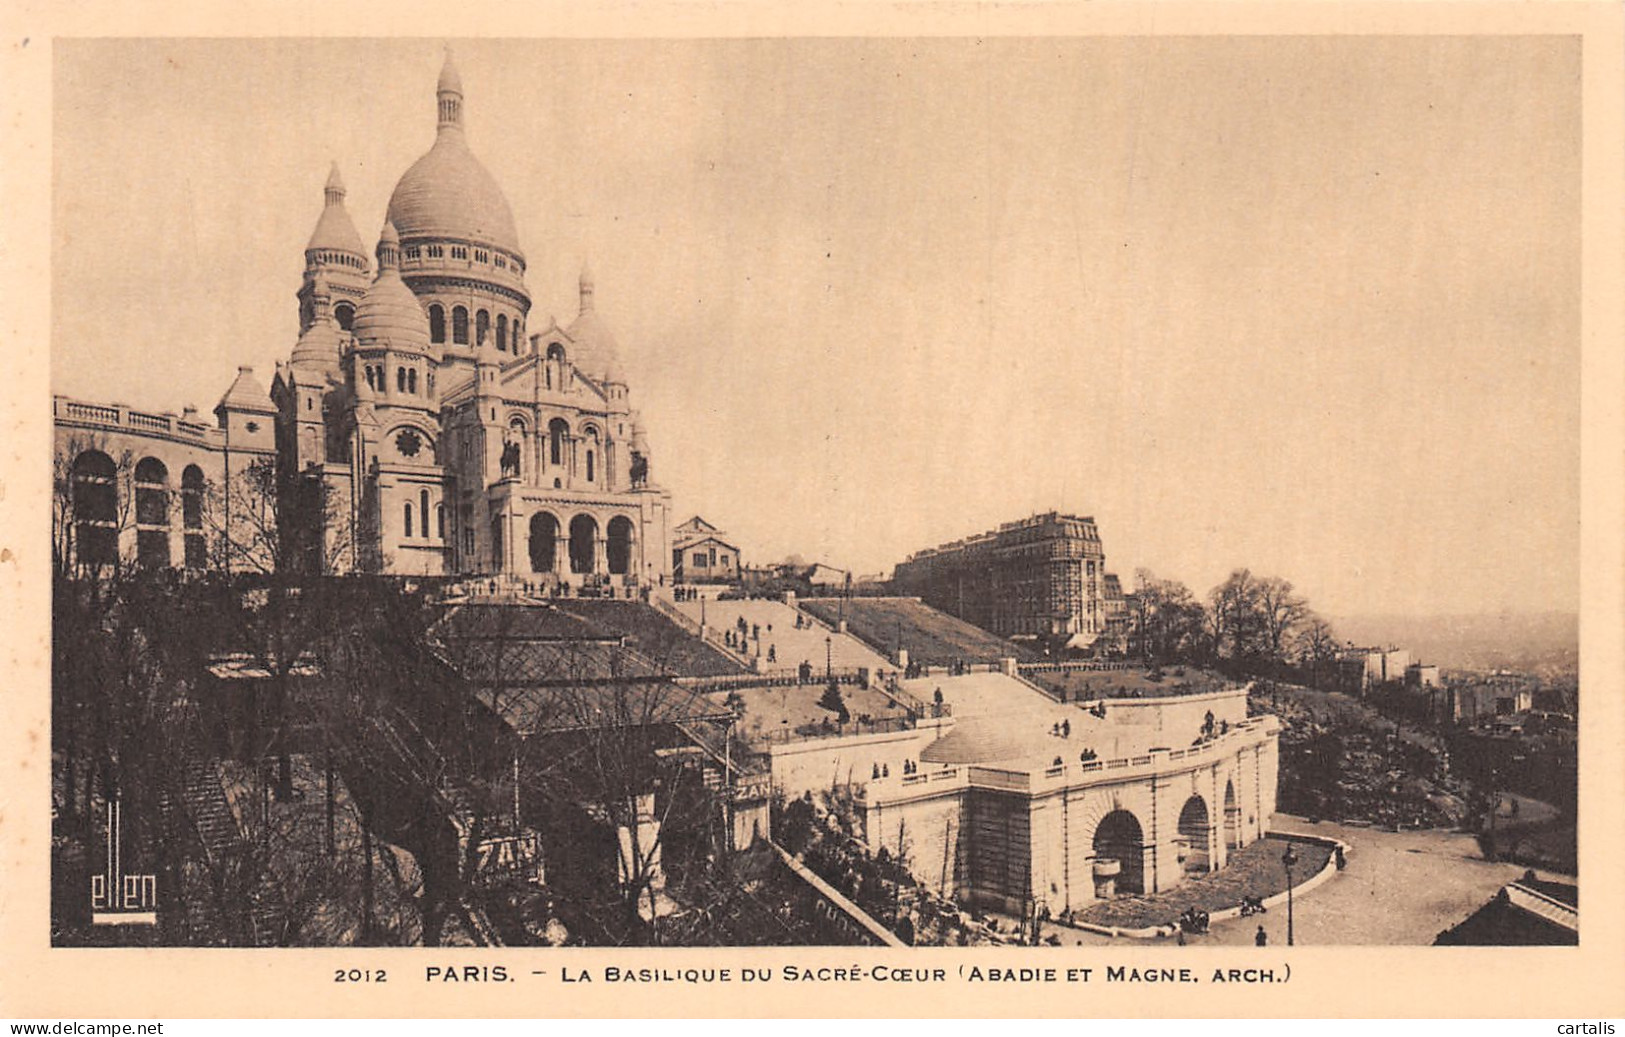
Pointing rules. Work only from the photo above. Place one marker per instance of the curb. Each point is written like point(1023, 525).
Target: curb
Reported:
point(1225, 914)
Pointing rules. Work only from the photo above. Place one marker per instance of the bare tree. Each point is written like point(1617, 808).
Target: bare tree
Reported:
point(1315, 646)
point(1280, 612)
point(1235, 625)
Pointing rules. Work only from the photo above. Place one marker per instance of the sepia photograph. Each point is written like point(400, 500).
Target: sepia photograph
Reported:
point(815, 492)
point(1056, 498)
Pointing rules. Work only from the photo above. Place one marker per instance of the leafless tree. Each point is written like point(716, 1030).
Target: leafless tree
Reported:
point(1280, 612)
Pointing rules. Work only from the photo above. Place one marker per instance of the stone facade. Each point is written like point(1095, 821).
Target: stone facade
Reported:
point(440, 432)
point(1043, 577)
point(1067, 835)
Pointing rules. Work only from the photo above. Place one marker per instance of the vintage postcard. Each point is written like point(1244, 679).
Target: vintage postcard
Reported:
point(879, 512)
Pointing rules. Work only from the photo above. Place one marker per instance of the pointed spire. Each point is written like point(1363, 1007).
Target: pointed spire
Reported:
point(449, 96)
point(334, 191)
point(389, 249)
point(586, 287)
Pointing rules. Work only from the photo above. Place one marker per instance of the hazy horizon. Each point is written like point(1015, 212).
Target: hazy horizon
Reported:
point(1304, 305)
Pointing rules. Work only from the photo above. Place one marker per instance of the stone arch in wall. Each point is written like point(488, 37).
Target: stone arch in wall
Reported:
point(193, 488)
point(544, 542)
point(583, 544)
point(94, 497)
point(1195, 835)
point(151, 513)
point(618, 545)
point(1119, 840)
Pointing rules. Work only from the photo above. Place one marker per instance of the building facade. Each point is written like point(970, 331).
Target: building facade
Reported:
point(702, 553)
point(1043, 577)
point(422, 424)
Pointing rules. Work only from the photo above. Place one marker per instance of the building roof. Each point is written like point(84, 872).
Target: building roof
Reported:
point(246, 393)
point(684, 545)
point(448, 193)
point(334, 229)
point(318, 347)
point(552, 710)
point(698, 525)
point(597, 354)
point(389, 315)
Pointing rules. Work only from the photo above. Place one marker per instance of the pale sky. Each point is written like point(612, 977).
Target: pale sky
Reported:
point(1307, 305)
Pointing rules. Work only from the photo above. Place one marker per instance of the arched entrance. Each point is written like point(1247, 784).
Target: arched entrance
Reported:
point(583, 544)
point(1232, 817)
point(1194, 835)
point(544, 542)
point(619, 545)
point(1119, 855)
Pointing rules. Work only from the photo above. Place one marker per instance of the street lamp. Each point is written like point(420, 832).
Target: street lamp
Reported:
point(829, 659)
point(1289, 859)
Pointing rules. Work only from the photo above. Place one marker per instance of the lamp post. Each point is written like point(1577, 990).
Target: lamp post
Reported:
point(1288, 859)
point(829, 659)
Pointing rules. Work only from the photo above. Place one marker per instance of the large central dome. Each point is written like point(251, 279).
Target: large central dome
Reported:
point(448, 193)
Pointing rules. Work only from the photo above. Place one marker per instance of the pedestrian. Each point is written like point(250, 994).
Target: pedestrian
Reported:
point(1261, 938)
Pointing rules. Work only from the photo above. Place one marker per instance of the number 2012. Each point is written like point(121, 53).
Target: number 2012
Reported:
point(359, 976)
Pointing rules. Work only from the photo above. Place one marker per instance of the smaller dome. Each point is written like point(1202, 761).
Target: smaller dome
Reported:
point(596, 352)
point(335, 231)
point(389, 315)
point(318, 347)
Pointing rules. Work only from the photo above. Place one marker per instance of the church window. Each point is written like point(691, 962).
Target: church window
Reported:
point(408, 443)
point(556, 430)
point(459, 325)
point(440, 521)
point(502, 334)
point(430, 378)
point(411, 252)
point(481, 256)
point(436, 251)
point(459, 252)
point(437, 323)
point(589, 466)
point(482, 327)
point(423, 509)
point(344, 313)
point(400, 379)
point(412, 381)
point(407, 525)
point(502, 262)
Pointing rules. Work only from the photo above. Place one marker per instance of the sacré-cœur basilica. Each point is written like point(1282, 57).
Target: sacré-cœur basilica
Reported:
point(440, 431)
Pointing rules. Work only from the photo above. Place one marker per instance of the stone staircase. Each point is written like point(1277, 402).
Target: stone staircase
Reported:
point(792, 645)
